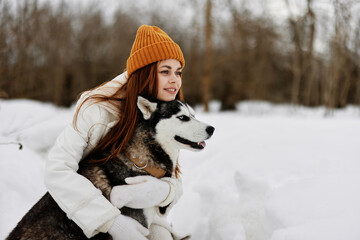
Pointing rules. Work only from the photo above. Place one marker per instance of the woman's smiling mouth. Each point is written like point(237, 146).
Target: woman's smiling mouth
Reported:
point(171, 90)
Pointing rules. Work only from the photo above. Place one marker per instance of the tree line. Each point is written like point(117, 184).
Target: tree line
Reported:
point(52, 52)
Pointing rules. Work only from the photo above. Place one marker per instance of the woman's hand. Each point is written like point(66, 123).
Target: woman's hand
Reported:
point(127, 228)
point(141, 192)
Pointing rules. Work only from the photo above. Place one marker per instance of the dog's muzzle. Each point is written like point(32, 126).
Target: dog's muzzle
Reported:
point(196, 145)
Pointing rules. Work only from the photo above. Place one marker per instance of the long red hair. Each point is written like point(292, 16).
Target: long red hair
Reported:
point(142, 82)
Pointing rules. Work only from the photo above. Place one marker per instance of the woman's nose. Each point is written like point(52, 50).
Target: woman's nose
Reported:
point(173, 78)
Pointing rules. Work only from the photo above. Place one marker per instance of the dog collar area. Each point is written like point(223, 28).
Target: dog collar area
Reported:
point(153, 169)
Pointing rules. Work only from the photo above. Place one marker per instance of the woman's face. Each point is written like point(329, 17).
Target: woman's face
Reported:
point(169, 79)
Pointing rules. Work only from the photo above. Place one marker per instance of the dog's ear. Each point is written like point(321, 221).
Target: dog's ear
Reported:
point(146, 107)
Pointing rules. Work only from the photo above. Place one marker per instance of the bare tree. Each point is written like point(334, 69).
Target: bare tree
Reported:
point(311, 82)
point(303, 36)
point(357, 56)
point(338, 76)
point(208, 57)
point(5, 20)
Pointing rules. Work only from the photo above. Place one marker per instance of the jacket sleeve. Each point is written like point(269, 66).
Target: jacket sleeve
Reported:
point(77, 196)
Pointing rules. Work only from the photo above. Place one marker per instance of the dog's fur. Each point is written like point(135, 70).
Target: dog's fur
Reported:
point(165, 128)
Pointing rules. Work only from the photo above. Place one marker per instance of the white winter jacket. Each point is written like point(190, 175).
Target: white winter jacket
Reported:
point(76, 195)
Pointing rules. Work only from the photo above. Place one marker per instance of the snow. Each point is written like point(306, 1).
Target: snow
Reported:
point(270, 172)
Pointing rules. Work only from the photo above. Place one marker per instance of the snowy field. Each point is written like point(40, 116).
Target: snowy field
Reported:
point(270, 172)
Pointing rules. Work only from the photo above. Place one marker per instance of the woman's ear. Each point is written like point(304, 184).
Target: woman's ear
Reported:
point(146, 107)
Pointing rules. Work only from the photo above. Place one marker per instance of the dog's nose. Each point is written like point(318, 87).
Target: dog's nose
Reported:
point(210, 130)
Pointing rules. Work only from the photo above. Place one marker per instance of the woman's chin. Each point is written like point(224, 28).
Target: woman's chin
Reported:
point(167, 97)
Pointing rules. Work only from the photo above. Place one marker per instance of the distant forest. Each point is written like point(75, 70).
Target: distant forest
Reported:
point(52, 52)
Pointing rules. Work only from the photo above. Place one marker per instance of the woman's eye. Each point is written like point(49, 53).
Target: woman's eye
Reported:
point(183, 118)
point(164, 72)
point(178, 73)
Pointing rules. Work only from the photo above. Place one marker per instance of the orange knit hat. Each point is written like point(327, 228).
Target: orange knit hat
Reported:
point(151, 45)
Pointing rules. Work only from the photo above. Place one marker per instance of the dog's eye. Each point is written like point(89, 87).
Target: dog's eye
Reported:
point(183, 118)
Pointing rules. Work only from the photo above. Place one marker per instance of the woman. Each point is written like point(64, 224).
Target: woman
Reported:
point(106, 118)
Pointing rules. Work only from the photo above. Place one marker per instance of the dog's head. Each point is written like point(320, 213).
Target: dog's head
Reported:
point(175, 124)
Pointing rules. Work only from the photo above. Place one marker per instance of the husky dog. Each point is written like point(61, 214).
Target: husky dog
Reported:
point(164, 128)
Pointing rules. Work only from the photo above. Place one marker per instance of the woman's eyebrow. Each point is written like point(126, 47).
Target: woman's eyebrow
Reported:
point(165, 66)
point(169, 67)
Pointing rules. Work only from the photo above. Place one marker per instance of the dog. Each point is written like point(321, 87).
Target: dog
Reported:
point(163, 129)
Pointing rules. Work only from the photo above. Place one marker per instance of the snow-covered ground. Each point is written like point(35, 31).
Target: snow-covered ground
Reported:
point(270, 172)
